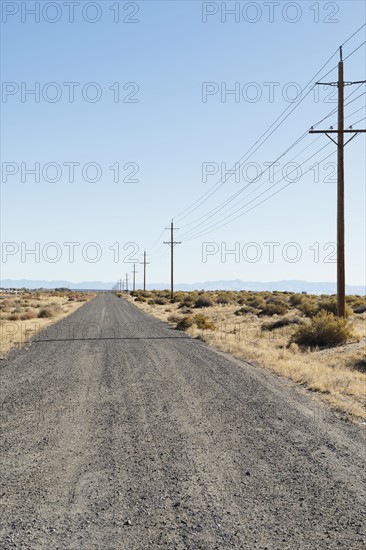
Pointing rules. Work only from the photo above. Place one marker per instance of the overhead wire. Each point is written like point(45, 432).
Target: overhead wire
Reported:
point(214, 211)
point(219, 184)
point(264, 137)
point(219, 223)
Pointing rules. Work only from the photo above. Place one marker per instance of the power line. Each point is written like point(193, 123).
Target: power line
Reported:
point(279, 190)
point(219, 224)
point(214, 211)
point(349, 55)
point(212, 227)
point(230, 199)
point(160, 247)
point(335, 108)
point(250, 151)
point(355, 50)
point(157, 240)
point(203, 231)
point(287, 185)
point(266, 198)
point(162, 256)
point(220, 207)
point(357, 122)
point(219, 184)
point(354, 91)
point(203, 198)
point(358, 97)
point(354, 34)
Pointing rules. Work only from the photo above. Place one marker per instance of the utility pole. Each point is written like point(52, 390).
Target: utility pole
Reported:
point(341, 280)
point(172, 244)
point(126, 282)
point(134, 277)
point(145, 264)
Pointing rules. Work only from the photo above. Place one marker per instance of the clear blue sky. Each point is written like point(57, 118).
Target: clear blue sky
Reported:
point(169, 132)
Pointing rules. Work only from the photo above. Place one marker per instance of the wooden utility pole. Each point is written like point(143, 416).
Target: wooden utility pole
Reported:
point(341, 279)
point(172, 243)
point(341, 269)
point(145, 264)
point(134, 277)
point(126, 282)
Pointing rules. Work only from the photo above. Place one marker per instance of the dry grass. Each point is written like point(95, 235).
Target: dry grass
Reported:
point(24, 314)
point(338, 374)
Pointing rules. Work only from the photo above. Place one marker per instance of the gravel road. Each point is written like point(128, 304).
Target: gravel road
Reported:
point(121, 433)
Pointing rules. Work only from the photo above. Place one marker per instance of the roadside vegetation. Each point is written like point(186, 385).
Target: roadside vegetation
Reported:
point(25, 313)
point(295, 335)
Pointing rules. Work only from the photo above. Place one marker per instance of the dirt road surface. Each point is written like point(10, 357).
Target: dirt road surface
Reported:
point(119, 432)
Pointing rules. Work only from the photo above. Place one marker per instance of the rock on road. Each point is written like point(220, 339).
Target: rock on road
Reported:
point(121, 433)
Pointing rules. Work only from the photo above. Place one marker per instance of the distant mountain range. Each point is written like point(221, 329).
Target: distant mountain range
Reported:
point(237, 284)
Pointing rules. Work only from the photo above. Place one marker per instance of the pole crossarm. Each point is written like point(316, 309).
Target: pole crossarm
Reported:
point(336, 131)
point(336, 83)
point(145, 262)
point(327, 132)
